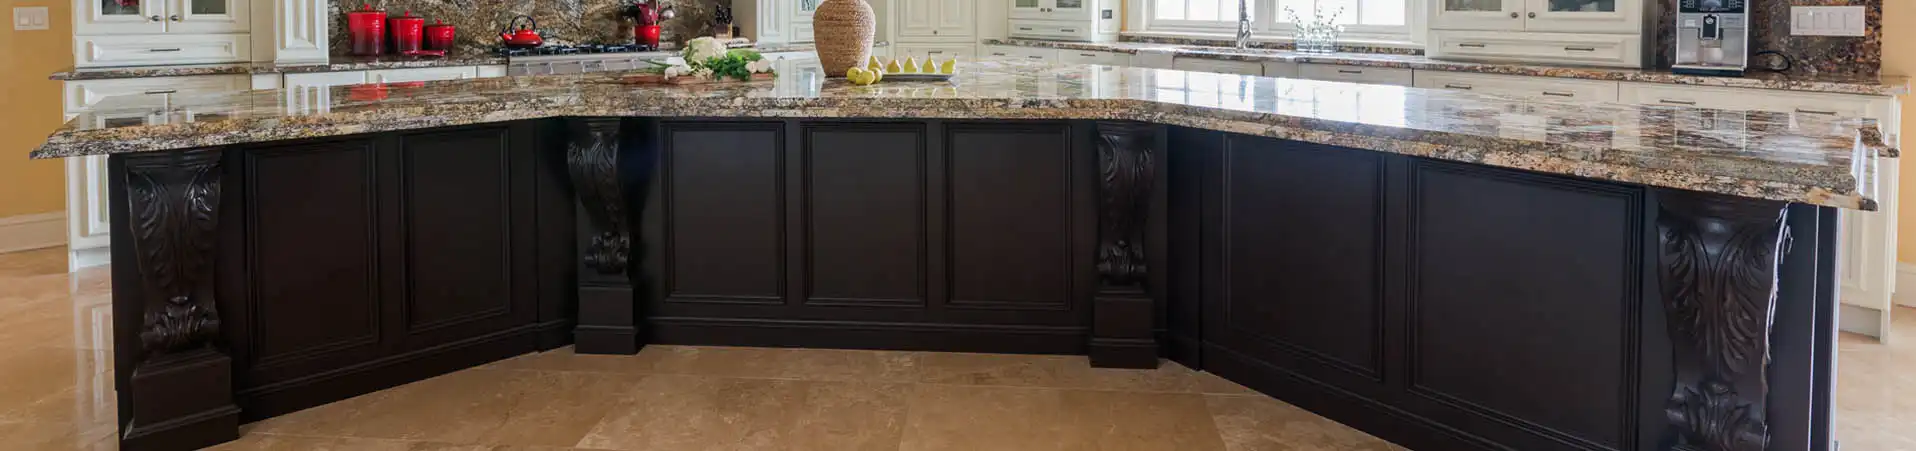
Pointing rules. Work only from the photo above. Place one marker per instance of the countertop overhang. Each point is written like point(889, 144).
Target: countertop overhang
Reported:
point(1803, 158)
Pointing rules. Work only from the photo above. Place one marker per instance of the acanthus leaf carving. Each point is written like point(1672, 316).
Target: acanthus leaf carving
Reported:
point(1126, 173)
point(592, 157)
point(1719, 269)
point(174, 201)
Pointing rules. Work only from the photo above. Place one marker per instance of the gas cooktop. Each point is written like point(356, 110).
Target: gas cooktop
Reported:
point(558, 50)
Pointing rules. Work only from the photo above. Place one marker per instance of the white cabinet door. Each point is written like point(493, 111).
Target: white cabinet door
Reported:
point(207, 16)
point(98, 17)
point(918, 18)
point(802, 13)
point(1029, 9)
point(1602, 16)
point(954, 18)
point(1477, 14)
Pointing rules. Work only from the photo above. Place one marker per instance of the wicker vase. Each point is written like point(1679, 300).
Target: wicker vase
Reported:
point(843, 32)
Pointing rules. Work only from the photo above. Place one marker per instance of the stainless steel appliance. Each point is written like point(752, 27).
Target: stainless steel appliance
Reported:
point(1712, 37)
point(576, 59)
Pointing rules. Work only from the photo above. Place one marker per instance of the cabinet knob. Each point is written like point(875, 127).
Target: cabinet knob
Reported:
point(1513, 14)
point(175, 18)
point(1533, 15)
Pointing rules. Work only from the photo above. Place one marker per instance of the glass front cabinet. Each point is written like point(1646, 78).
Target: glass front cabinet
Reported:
point(802, 19)
point(119, 17)
point(1054, 9)
point(1570, 16)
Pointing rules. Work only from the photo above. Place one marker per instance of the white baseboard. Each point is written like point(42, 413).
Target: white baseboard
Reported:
point(1905, 292)
point(1861, 320)
point(34, 231)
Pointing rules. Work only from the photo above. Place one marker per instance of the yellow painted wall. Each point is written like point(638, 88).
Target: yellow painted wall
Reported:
point(1899, 57)
point(30, 108)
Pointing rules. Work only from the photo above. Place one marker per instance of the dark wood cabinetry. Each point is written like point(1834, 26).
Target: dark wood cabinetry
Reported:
point(920, 235)
point(370, 262)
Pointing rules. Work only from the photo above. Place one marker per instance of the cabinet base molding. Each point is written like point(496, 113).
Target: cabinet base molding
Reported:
point(787, 333)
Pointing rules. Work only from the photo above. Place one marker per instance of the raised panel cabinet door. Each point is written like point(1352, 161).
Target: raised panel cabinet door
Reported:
point(312, 300)
point(98, 17)
point(208, 16)
point(1028, 9)
point(1477, 14)
point(1525, 295)
point(1011, 218)
point(1302, 275)
point(719, 218)
point(1598, 16)
point(955, 18)
point(918, 18)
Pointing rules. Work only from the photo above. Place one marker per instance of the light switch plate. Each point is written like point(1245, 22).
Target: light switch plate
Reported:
point(30, 18)
point(1826, 20)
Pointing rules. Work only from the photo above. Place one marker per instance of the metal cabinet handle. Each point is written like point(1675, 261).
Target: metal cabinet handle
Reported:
point(934, 52)
point(1560, 94)
point(1035, 57)
point(1068, 30)
point(1349, 71)
point(1457, 86)
point(174, 49)
point(1580, 49)
point(1825, 113)
point(1471, 45)
point(162, 91)
point(155, 18)
point(1023, 29)
point(1093, 55)
point(997, 54)
point(176, 18)
point(1676, 102)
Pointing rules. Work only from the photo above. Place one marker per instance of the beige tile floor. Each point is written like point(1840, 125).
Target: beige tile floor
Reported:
point(56, 394)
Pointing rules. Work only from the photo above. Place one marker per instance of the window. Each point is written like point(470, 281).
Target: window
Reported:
point(1371, 20)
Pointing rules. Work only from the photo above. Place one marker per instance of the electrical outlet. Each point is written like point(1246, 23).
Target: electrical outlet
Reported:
point(30, 18)
point(1826, 20)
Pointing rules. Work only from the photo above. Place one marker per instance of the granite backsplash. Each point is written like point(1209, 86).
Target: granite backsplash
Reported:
point(560, 21)
point(1814, 55)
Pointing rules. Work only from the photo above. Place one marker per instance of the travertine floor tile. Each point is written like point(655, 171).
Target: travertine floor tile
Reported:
point(56, 385)
point(1256, 423)
point(56, 437)
point(473, 406)
point(690, 413)
point(1057, 371)
point(761, 363)
point(956, 417)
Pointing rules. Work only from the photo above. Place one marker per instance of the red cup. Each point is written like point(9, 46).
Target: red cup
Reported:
point(439, 36)
point(408, 33)
point(367, 26)
point(646, 35)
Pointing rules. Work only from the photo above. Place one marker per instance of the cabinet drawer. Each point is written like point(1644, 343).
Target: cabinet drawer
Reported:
point(1591, 49)
point(422, 74)
point(1093, 57)
point(1003, 52)
point(137, 50)
point(1219, 66)
point(83, 94)
point(1750, 99)
point(1355, 74)
point(1076, 31)
point(1543, 88)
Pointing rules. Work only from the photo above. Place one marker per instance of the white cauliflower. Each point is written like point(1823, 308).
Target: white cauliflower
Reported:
point(677, 71)
point(702, 49)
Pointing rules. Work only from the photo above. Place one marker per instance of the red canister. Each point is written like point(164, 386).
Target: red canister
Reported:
point(408, 33)
point(368, 29)
point(439, 36)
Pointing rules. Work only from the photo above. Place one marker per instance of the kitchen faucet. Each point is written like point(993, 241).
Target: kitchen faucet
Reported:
point(1243, 24)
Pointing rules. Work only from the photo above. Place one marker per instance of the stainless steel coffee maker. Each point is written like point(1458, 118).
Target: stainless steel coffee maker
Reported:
point(1712, 37)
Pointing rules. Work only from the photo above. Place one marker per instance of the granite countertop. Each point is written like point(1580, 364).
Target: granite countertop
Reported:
point(1884, 85)
point(1809, 159)
point(336, 64)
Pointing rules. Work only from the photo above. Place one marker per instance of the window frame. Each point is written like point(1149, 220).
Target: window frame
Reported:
point(1267, 27)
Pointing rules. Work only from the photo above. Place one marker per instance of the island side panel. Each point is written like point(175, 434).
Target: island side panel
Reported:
point(913, 234)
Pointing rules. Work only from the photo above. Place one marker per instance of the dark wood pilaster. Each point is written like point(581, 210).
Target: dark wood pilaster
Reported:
point(1719, 267)
point(1123, 310)
point(608, 313)
point(179, 394)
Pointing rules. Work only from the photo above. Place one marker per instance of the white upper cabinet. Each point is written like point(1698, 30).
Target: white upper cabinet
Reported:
point(118, 17)
point(802, 19)
point(1055, 9)
point(1572, 16)
point(764, 20)
point(936, 20)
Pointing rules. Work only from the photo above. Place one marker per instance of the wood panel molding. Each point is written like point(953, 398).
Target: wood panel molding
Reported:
point(1719, 267)
point(670, 247)
point(180, 393)
point(1123, 312)
point(255, 176)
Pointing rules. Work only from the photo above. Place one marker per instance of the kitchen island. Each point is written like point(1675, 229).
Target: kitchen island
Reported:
point(1442, 269)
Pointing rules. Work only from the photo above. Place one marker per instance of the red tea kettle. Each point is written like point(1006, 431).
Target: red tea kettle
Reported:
point(526, 37)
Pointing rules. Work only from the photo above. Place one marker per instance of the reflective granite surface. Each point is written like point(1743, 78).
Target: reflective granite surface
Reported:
point(1822, 81)
point(1780, 156)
